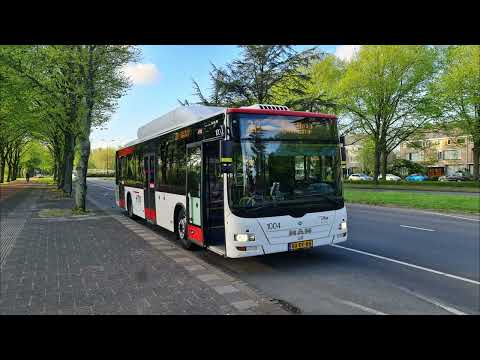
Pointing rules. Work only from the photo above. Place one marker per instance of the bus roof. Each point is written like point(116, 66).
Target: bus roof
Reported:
point(187, 115)
point(280, 112)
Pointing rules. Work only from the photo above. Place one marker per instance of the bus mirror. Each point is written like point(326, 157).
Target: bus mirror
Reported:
point(226, 156)
point(343, 155)
point(342, 140)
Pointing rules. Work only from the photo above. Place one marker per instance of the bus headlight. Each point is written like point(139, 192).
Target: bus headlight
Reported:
point(244, 237)
point(343, 225)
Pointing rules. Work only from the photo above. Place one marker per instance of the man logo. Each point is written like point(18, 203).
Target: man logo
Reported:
point(297, 232)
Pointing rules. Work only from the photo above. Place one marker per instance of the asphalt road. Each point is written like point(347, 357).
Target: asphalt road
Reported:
point(396, 261)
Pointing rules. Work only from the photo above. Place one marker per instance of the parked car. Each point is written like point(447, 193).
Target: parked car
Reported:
point(391, 177)
point(458, 176)
point(416, 177)
point(359, 177)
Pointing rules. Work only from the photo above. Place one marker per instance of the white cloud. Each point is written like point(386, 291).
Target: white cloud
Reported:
point(142, 74)
point(346, 52)
point(106, 141)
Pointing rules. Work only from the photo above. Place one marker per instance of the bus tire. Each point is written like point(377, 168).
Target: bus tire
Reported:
point(129, 207)
point(181, 230)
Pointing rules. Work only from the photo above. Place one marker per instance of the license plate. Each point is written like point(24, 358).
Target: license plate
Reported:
point(305, 244)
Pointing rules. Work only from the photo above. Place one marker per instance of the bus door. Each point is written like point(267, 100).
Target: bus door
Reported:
point(213, 199)
point(149, 187)
point(194, 187)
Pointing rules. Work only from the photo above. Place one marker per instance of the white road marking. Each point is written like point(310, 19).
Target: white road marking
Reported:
point(453, 216)
point(407, 264)
point(418, 228)
point(361, 307)
point(434, 302)
point(360, 206)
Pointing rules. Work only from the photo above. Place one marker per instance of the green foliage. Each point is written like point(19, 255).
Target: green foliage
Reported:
point(403, 167)
point(100, 173)
point(100, 158)
point(37, 156)
point(457, 93)
point(252, 78)
point(367, 155)
point(384, 92)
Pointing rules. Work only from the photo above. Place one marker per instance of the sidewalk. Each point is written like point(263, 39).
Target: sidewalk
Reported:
point(103, 263)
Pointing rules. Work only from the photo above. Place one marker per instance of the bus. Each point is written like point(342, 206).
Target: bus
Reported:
point(240, 182)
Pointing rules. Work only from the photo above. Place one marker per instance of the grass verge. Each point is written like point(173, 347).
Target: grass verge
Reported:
point(439, 202)
point(406, 186)
point(45, 180)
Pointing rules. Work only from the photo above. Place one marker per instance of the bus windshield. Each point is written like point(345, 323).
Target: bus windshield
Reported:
point(284, 165)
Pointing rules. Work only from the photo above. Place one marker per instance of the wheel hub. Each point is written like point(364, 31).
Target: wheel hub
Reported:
point(182, 225)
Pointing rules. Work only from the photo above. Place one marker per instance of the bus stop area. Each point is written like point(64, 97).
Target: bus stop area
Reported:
point(56, 262)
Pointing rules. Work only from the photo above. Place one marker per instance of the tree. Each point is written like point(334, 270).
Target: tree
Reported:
point(102, 158)
point(252, 78)
point(102, 84)
point(36, 157)
point(54, 104)
point(317, 90)
point(385, 94)
point(458, 93)
point(366, 155)
point(16, 118)
point(403, 167)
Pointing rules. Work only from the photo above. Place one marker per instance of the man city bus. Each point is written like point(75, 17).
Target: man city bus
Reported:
point(238, 181)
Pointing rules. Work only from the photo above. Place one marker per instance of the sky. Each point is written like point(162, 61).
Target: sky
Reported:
point(163, 76)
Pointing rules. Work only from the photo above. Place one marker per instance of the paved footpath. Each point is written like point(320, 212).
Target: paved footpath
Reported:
point(105, 263)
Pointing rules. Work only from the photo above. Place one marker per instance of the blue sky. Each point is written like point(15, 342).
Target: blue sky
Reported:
point(163, 75)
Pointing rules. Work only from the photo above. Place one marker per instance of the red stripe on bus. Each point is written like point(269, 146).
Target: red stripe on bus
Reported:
point(126, 151)
point(195, 233)
point(150, 214)
point(281, 112)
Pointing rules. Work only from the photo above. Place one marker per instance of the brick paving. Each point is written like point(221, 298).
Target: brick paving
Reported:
point(105, 264)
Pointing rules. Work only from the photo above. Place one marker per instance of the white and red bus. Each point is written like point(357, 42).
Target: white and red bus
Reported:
point(238, 181)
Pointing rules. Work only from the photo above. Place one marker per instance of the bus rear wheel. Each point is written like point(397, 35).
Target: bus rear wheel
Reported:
point(181, 222)
point(129, 207)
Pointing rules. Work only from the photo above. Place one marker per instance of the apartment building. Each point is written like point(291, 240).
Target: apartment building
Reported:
point(442, 154)
point(353, 145)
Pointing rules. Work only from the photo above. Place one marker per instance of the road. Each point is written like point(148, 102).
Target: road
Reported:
point(396, 261)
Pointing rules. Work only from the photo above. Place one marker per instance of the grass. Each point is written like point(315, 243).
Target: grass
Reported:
point(45, 180)
point(426, 185)
point(440, 202)
point(47, 213)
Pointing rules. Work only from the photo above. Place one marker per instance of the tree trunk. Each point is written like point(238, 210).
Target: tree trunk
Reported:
point(384, 164)
point(60, 174)
point(376, 167)
point(9, 177)
point(69, 155)
point(2, 169)
point(16, 163)
point(54, 172)
point(476, 160)
point(81, 185)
